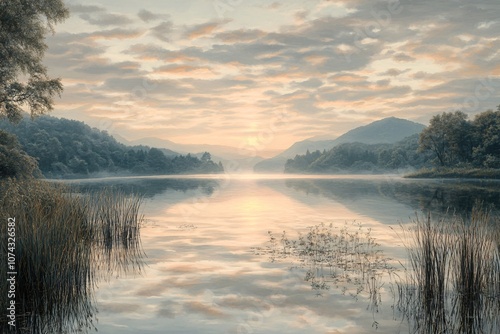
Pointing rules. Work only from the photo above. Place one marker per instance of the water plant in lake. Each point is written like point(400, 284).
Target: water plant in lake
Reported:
point(347, 258)
point(64, 242)
point(452, 283)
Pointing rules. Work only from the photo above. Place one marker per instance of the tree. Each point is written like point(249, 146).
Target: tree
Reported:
point(156, 160)
point(14, 162)
point(24, 82)
point(206, 157)
point(449, 137)
point(487, 135)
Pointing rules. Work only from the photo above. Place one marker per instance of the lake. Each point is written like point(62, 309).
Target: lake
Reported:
point(214, 261)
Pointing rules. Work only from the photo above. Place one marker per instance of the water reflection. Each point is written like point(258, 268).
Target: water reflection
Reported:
point(203, 277)
point(347, 258)
point(437, 197)
point(148, 187)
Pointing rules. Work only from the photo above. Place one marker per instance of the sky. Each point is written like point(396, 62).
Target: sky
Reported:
point(265, 74)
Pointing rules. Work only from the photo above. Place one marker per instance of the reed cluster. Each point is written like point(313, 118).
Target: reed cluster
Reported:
point(63, 241)
point(452, 284)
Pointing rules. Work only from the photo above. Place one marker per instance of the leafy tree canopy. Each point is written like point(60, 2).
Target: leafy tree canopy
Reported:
point(14, 162)
point(24, 82)
point(457, 141)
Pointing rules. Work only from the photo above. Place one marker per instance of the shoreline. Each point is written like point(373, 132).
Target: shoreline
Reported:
point(455, 173)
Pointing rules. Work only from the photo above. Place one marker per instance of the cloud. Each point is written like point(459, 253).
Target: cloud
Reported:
point(135, 83)
point(106, 68)
point(167, 313)
point(202, 30)
point(240, 35)
point(403, 57)
point(77, 8)
point(116, 33)
point(275, 5)
point(190, 71)
point(147, 16)
point(106, 19)
point(163, 31)
point(394, 72)
point(310, 83)
point(334, 59)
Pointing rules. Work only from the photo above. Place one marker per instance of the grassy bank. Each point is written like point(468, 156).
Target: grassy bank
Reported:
point(63, 243)
point(465, 173)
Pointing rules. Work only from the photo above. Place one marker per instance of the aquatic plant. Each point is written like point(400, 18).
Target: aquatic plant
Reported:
point(452, 283)
point(60, 240)
point(347, 258)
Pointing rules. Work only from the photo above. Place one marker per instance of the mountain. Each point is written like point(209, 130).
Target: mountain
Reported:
point(388, 130)
point(229, 156)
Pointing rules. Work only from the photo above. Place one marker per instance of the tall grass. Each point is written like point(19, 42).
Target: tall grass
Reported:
point(115, 220)
point(61, 240)
point(453, 281)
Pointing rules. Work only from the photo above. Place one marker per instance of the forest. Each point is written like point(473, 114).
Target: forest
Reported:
point(360, 158)
point(63, 148)
point(450, 141)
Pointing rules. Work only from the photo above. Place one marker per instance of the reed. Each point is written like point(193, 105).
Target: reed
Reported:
point(60, 241)
point(452, 285)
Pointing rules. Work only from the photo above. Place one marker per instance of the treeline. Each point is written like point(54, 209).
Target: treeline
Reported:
point(450, 141)
point(66, 148)
point(456, 141)
point(358, 158)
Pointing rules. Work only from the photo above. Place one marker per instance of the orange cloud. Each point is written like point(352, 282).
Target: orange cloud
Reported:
point(202, 30)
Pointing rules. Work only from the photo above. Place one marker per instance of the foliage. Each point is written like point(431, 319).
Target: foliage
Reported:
point(486, 127)
point(444, 172)
point(301, 162)
point(14, 162)
point(345, 258)
point(348, 257)
point(449, 137)
point(455, 141)
point(358, 157)
point(24, 81)
point(70, 148)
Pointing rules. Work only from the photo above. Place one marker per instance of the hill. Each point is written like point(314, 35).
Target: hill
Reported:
point(386, 131)
point(229, 156)
point(67, 148)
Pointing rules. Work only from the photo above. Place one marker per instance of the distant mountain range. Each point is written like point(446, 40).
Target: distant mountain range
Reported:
point(388, 130)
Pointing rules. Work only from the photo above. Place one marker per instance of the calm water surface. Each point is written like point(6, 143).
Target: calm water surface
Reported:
point(207, 270)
